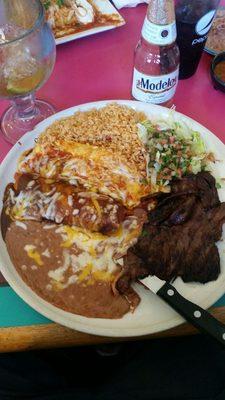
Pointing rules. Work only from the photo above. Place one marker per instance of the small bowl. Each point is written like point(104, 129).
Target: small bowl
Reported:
point(217, 83)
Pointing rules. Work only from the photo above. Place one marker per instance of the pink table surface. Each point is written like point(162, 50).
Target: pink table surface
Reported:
point(100, 67)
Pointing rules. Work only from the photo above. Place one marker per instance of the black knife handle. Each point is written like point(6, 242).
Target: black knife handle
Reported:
point(198, 317)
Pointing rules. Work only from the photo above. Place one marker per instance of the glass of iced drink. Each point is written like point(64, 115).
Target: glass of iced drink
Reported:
point(27, 57)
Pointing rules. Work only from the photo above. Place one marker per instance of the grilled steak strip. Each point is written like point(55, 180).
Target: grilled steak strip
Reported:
point(179, 238)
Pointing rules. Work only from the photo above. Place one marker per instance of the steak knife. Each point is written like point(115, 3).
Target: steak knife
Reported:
point(194, 314)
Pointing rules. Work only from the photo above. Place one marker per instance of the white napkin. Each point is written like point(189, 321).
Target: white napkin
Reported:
point(128, 3)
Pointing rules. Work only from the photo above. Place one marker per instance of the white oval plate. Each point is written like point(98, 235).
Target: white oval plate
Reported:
point(152, 315)
point(106, 8)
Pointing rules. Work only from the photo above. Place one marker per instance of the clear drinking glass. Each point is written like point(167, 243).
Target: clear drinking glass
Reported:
point(27, 57)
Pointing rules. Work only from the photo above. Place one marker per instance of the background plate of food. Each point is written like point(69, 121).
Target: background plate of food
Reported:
point(216, 40)
point(101, 194)
point(74, 19)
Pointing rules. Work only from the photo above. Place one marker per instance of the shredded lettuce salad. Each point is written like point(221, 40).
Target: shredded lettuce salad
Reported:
point(173, 149)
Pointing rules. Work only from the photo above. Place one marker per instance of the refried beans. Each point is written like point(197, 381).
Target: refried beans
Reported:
point(44, 254)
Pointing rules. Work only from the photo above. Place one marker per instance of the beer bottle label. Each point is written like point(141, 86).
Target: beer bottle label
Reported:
point(154, 89)
point(159, 34)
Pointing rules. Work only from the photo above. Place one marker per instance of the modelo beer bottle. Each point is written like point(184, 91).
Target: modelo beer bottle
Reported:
point(156, 61)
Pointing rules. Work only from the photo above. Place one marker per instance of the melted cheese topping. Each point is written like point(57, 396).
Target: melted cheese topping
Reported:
point(33, 254)
point(92, 256)
point(96, 168)
point(22, 204)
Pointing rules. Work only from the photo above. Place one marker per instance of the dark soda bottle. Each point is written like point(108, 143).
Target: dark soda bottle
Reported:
point(194, 19)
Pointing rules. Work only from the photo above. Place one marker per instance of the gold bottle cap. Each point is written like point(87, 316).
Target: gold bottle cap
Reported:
point(161, 12)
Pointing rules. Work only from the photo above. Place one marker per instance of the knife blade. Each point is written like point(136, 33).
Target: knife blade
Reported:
point(193, 313)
